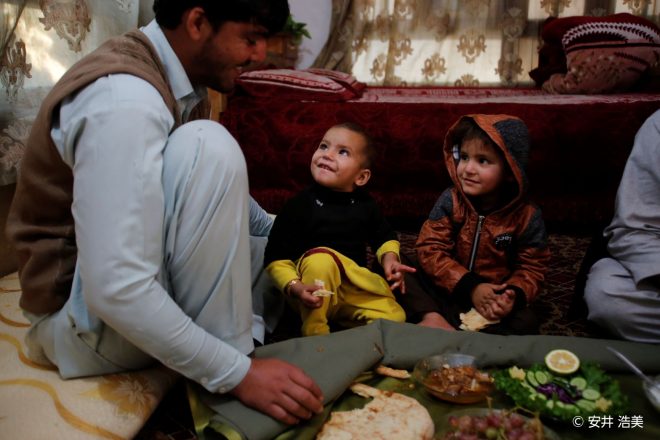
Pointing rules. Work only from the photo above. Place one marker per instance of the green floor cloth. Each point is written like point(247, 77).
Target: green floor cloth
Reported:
point(334, 361)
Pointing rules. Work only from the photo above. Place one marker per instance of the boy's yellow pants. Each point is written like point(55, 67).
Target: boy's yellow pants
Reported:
point(360, 295)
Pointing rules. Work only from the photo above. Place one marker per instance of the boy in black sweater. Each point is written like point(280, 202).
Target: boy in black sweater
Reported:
point(317, 248)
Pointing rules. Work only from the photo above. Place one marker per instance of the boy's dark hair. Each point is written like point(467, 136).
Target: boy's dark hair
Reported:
point(369, 147)
point(467, 130)
point(271, 14)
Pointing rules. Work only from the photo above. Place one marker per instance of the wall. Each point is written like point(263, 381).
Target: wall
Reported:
point(316, 14)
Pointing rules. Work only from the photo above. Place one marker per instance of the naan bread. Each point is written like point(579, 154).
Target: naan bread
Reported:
point(474, 320)
point(392, 372)
point(388, 416)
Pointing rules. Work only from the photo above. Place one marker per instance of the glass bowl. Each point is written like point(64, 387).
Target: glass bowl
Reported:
point(453, 377)
point(653, 392)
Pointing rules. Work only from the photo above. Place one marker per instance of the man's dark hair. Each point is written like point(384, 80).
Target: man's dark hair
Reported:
point(271, 14)
point(369, 147)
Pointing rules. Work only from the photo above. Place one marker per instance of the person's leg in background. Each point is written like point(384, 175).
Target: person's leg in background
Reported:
point(615, 303)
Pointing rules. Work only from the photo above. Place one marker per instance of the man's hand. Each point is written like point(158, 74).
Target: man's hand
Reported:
point(435, 320)
point(394, 270)
point(280, 390)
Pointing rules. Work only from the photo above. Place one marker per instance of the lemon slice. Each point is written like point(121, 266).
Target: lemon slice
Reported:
point(562, 361)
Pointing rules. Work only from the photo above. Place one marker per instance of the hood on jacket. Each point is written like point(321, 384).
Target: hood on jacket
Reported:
point(509, 133)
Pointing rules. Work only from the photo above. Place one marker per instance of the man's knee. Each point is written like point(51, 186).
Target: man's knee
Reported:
point(595, 293)
point(204, 144)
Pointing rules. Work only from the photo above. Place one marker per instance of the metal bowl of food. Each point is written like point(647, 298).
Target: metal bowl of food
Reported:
point(453, 377)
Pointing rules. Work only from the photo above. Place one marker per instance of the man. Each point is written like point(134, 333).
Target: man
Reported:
point(623, 289)
point(132, 225)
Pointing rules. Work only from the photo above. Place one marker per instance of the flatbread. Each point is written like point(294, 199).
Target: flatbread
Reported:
point(389, 416)
point(474, 321)
point(322, 291)
point(392, 372)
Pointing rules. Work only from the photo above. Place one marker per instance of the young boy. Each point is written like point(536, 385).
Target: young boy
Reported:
point(483, 245)
point(318, 243)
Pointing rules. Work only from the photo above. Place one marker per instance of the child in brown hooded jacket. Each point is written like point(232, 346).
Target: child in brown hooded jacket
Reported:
point(483, 246)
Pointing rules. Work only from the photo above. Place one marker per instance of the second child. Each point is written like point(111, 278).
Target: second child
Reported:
point(319, 240)
point(484, 244)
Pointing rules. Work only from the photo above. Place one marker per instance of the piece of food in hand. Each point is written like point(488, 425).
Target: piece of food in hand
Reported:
point(392, 372)
point(474, 321)
point(562, 361)
point(389, 415)
point(322, 291)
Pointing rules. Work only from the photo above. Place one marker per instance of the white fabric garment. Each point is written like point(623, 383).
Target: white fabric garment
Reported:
point(621, 293)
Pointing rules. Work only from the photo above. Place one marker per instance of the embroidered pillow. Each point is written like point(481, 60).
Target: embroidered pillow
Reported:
point(310, 84)
point(603, 54)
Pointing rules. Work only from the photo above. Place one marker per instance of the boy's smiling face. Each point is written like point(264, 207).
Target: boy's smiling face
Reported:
point(339, 161)
point(481, 171)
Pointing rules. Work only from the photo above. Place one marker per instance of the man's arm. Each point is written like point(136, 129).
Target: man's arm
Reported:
point(260, 221)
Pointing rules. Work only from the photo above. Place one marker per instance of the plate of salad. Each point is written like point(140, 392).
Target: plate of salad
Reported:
point(562, 388)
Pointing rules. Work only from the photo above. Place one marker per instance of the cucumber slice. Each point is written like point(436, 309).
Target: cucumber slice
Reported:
point(590, 394)
point(586, 405)
point(573, 408)
point(550, 404)
point(541, 377)
point(528, 387)
point(531, 379)
point(579, 382)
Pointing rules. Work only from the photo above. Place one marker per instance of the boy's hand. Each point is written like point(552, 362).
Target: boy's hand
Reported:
point(394, 270)
point(304, 292)
point(485, 299)
point(503, 303)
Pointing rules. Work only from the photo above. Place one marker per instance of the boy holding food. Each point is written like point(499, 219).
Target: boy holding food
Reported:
point(483, 250)
point(317, 247)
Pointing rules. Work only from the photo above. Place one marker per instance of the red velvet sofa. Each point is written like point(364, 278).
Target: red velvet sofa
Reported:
point(579, 144)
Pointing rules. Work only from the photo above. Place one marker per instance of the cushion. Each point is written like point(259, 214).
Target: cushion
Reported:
point(307, 84)
point(602, 54)
point(37, 403)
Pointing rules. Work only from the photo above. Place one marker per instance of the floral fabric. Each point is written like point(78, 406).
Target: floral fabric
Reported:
point(39, 41)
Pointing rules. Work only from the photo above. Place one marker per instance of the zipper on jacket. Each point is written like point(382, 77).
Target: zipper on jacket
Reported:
point(475, 242)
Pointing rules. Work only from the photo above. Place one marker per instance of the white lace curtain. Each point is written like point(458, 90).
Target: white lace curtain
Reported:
point(450, 42)
point(39, 41)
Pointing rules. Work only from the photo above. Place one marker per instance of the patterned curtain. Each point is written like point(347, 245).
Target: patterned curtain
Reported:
point(451, 42)
point(40, 40)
